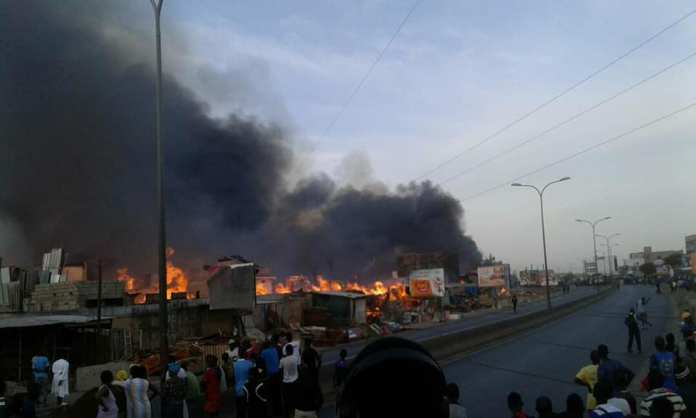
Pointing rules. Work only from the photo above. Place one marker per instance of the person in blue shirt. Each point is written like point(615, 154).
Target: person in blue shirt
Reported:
point(611, 370)
point(664, 361)
point(39, 366)
point(271, 361)
point(242, 367)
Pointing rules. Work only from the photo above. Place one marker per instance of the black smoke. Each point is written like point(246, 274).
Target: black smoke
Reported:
point(77, 166)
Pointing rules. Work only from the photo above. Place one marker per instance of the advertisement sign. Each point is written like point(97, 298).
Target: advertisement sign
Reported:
point(233, 287)
point(494, 276)
point(427, 283)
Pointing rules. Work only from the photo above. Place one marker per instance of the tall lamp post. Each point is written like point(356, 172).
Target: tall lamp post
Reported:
point(594, 234)
point(607, 239)
point(543, 230)
point(162, 238)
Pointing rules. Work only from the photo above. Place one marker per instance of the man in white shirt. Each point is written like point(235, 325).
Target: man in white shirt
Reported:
point(295, 346)
point(290, 368)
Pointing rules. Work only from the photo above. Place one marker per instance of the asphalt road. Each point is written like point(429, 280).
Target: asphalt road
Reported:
point(544, 361)
point(468, 321)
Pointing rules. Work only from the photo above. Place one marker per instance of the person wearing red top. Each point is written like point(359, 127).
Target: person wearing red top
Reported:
point(211, 383)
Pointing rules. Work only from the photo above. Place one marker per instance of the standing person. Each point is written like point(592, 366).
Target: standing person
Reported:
point(340, 369)
point(587, 377)
point(3, 404)
point(689, 358)
point(633, 331)
point(663, 361)
point(211, 387)
point(514, 302)
point(295, 346)
point(308, 398)
point(61, 375)
point(311, 358)
point(515, 405)
point(544, 407)
point(671, 346)
point(658, 390)
point(290, 368)
point(609, 369)
point(603, 392)
point(257, 395)
point(687, 327)
point(642, 313)
point(455, 409)
point(226, 372)
point(686, 388)
point(107, 407)
point(242, 367)
point(575, 408)
point(193, 392)
point(39, 366)
point(138, 393)
point(233, 352)
point(175, 391)
point(271, 361)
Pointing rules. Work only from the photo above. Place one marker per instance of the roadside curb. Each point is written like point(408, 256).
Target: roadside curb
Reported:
point(466, 341)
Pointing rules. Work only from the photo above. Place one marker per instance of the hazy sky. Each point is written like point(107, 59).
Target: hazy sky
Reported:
point(456, 73)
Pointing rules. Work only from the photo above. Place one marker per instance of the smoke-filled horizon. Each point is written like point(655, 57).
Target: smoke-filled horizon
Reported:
point(77, 169)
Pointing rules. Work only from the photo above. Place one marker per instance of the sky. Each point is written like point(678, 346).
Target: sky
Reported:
point(456, 73)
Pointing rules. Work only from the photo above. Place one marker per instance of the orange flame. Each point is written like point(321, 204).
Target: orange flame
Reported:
point(177, 282)
point(123, 276)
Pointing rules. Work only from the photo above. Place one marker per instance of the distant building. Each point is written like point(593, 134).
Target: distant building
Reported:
point(635, 260)
point(690, 244)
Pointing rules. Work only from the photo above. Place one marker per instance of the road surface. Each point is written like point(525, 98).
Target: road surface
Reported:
point(469, 321)
point(544, 361)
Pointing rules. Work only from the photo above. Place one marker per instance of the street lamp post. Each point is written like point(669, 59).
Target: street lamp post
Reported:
point(543, 230)
point(594, 234)
point(162, 238)
point(608, 238)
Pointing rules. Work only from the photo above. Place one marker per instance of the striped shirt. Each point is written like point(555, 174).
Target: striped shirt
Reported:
point(676, 400)
point(606, 411)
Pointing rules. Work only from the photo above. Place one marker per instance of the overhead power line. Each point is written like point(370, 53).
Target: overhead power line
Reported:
point(586, 150)
point(367, 74)
point(569, 120)
point(559, 95)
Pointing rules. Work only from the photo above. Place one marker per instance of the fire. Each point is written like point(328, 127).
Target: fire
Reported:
point(123, 276)
point(177, 282)
point(297, 283)
point(176, 278)
point(282, 289)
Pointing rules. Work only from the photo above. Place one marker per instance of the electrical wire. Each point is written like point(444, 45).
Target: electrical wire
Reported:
point(558, 96)
point(585, 150)
point(377, 60)
point(570, 119)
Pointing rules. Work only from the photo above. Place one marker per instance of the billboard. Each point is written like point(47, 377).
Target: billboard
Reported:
point(537, 278)
point(494, 276)
point(427, 283)
point(233, 287)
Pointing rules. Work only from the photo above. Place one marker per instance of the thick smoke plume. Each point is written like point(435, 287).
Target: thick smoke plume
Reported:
point(77, 167)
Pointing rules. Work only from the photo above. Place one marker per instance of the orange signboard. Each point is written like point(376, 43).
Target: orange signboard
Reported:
point(421, 288)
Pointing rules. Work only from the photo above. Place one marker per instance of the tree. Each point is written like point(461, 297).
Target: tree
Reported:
point(674, 260)
point(648, 269)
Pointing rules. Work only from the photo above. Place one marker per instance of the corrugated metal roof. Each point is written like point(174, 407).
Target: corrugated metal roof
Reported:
point(38, 320)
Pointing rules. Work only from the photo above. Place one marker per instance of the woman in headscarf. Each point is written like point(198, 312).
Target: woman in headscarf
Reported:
point(107, 407)
point(174, 392)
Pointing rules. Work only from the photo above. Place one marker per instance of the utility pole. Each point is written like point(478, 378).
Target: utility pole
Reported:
point(593, 225)
point(99, 306)
point(162, 241)
point(543, 231)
